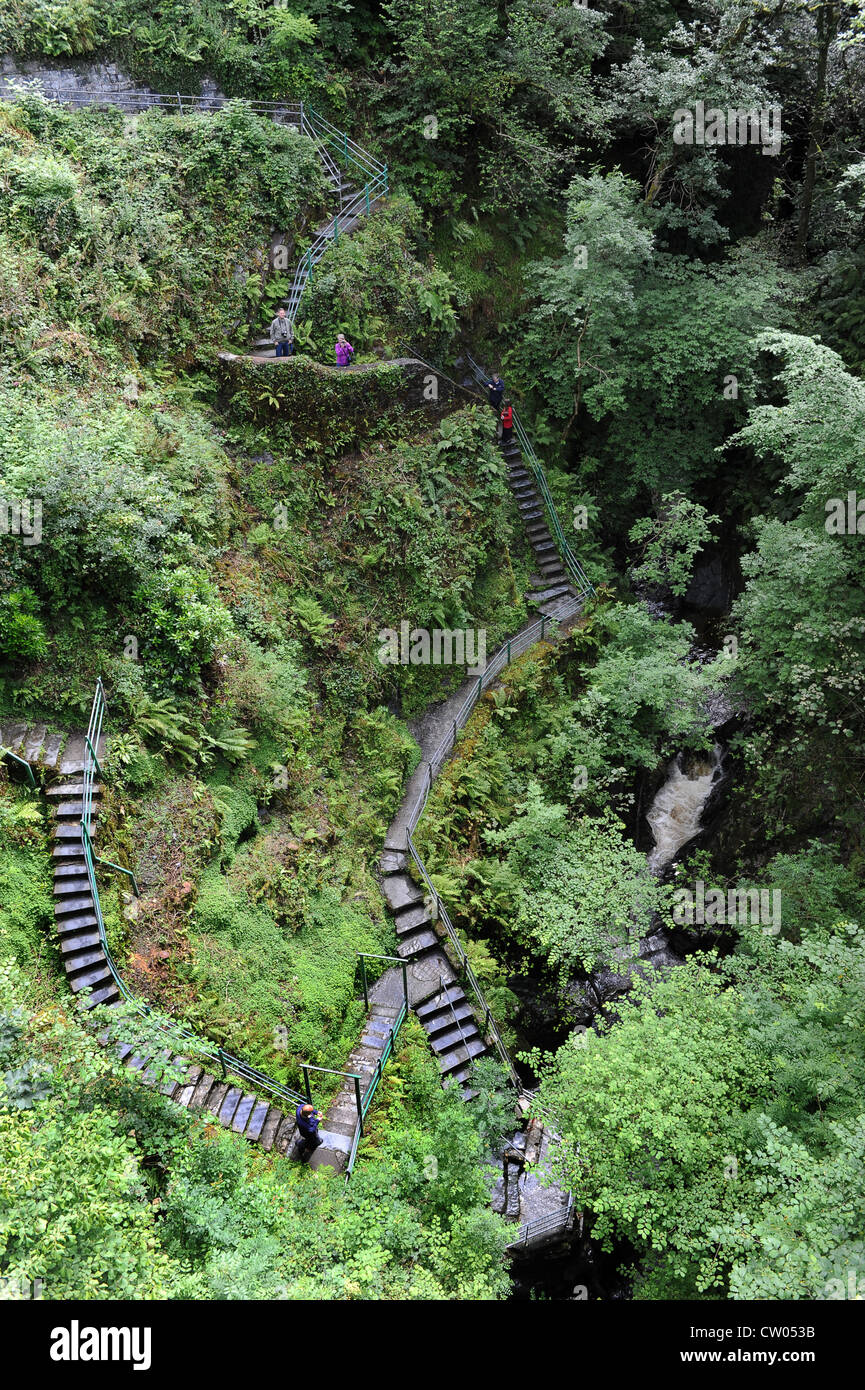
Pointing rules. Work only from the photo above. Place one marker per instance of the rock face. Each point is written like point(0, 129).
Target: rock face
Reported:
point(83, 79)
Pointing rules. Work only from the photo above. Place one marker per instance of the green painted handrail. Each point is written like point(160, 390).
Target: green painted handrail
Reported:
point(583, 583)
point(22, 762)
point(226, 1060)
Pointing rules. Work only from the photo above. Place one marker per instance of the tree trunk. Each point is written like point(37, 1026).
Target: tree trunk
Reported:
point(827, 27)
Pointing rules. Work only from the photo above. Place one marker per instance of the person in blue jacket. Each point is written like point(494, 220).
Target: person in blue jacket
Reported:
point(496, 390)
point(307, 1123)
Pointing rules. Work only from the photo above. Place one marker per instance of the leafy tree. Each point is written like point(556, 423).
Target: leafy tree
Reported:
point(670, 542)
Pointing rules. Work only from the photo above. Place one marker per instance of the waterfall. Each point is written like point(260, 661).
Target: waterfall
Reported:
point(675, 813)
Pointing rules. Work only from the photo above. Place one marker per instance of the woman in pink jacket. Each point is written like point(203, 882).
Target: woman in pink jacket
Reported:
point(344, 350)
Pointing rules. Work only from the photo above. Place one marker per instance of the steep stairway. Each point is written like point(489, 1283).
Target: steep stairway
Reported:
point(435, 994)
point(59, 760)
point(552, 592)
point(337, 1133)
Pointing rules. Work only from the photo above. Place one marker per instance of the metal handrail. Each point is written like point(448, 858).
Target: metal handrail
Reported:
point(22, 762)
point(309, 122)
point(365, 1100)
point(584, 584)
point(515, 646)
point(540, 1225)
point(227, 1061)
point(161, 101)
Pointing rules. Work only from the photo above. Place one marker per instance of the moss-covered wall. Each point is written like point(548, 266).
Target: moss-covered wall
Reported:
point(323, 405)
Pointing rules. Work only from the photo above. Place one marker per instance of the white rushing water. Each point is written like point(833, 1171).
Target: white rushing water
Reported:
point(675, 813)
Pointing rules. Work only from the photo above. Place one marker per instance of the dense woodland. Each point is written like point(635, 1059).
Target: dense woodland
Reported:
point(682, 327)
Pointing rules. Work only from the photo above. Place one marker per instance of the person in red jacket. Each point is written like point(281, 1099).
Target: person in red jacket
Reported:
point(507, 419)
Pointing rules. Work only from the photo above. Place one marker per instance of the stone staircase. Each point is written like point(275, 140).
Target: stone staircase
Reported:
point(435, 994)
point(340, 1120)
point(552, 592)
point(58, 760)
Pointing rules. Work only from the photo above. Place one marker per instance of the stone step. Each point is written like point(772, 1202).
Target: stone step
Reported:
point(92, 978)
point(461, 1056)
point(73, 756)
point(247, 1104)
point(64, 831)
point(12, 736)
point(68, 850)
point(439, 999)
point(187, 1087)
point(531, 511)
point(229, 1105)
point(270, 1126)
point(32, 746)
point(68, 885)
point(417, 944)
point(545, 595)
point(412, 919)
point(50, 754)
point(460, 1078)
point(66, 925)
point(82, 902)
point(203, 1087)
point(106, 994)
point(443, 1043)
point(285, 1135)
point(78, 960)
point(216, 1098)
point(401, 892)
point(393, 862)
point(70, 868)
point(78, 940)
point(256, 1120)
point(58, 790)
point(436, 1024)
point(70, 810)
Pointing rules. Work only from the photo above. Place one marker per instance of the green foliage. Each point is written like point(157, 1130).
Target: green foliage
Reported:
point(125, 236)
point(184, 624)
point(22, 633)
point(584, 890)
point(371, 287)
point(670, 543)
point(734, 1172)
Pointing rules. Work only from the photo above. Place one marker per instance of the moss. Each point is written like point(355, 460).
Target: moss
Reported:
point(26, 905)
point(238, 812)
point(322, 405)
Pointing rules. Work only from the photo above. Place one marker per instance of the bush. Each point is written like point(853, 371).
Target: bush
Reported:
point(184, 621)
point(22, 634)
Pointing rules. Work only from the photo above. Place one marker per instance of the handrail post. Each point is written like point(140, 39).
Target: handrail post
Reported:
point(363, 980)
point(305, 1071)
point(405, 985)
point(359, 1102)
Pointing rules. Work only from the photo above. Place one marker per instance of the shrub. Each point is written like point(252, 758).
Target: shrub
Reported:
point(22, 634)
